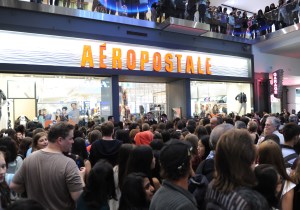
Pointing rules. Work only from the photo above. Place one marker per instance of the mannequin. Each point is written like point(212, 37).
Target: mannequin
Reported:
point(242, 98)
point(2, 101)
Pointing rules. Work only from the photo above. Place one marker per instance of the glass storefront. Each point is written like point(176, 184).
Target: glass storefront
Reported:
point(297, 101)
point(50, 98)
point(220, 98)
point(275, 104)
point(136, 99)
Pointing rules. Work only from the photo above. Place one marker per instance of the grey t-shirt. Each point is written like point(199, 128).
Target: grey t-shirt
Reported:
point(172, 197)
point(74, 115)
point(49, 178)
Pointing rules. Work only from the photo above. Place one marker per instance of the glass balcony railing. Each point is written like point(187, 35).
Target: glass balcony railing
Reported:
point(220, 22)
point(284, 15)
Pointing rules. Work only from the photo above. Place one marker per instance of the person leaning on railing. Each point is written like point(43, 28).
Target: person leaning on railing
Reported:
point(223, 21)
point(253, 26)
point(244, 24)
point(231, 23)
point(280, 16)
point(261, 20)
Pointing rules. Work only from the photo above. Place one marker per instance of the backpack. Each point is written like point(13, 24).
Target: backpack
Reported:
point(207, 168)
point(288, 158)
point(198, 187)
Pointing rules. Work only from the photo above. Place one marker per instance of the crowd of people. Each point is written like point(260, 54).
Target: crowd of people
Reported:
point(219, 162)
point(225, 20)
point(237, 22)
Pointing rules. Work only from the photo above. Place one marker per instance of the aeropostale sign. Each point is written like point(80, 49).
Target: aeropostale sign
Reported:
point(137, 60)
point(50, 50)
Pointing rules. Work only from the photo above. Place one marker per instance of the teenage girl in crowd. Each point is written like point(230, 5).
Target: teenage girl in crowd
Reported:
point(100, 187)
point(269, 152)
point(137, 192)
point(4, 189)
point(39, 141)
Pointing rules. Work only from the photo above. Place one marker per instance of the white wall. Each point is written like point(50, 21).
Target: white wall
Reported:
point(291, 102)
point(4, 118)
point(268, 63)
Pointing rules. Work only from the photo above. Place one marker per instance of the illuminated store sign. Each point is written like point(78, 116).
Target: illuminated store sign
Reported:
point(39, 49)
point(144, 57)
point(277, 83)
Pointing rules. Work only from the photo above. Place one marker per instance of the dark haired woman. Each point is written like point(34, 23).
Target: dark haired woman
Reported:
point(268, 16)
point(119, 173)
point(234, 162)
point(244, 24)
point(137, 192)
point(80, 155)
point(269, 152)
point(99, 189)
point(4, 189)
point(141, 160)
point(24, 146)
point(203, 147)
point(269, 183)
point(14, 162)
point(262, 24)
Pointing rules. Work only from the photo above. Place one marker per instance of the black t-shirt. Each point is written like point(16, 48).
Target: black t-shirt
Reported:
point(105, 149)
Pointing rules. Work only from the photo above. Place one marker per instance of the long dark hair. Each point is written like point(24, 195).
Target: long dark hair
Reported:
point(4, 188)
point(123, 157)
point(267, 181)
point(133, 194)
point(24, 146)
point(79, 148)
point(205, 141)
point(100, 185)
point(140, 160)
point(123, 135)
point(11, 148)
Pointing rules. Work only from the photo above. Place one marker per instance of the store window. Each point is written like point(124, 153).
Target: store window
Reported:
point(297, 99)
point(215, 98)
point(50, 99)
point(275, 104)
point(136, 99)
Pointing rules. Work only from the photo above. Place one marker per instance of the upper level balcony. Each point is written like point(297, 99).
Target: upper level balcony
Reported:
point(284, 18)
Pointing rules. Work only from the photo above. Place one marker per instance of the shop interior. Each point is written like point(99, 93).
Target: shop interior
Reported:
point(136, 99)
point(275, 104)
point(50, 98)
point(219, 98)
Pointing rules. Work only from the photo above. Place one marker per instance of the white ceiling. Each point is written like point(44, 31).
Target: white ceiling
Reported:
point(248, 5)
point(286, 45)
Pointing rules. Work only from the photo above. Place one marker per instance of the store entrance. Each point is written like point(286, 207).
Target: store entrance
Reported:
point(137, 99)
point(49, 99)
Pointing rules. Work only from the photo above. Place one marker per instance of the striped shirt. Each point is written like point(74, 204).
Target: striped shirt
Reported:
point(242, 199)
